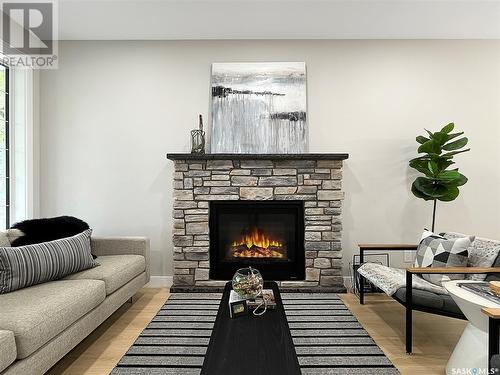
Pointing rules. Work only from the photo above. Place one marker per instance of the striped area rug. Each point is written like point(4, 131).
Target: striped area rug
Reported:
point(328, 339)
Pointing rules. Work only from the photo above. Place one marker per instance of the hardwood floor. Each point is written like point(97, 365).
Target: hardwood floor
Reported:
point(434, 336)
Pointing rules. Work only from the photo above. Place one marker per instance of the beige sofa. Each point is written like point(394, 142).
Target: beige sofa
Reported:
point(41, 324)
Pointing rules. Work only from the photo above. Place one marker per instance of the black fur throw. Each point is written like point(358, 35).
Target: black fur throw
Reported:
point(49, 229)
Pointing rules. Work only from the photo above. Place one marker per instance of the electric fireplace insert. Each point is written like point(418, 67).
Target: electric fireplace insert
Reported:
point(267, 235)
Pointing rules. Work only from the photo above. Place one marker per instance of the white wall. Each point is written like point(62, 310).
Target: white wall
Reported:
point(112, 111)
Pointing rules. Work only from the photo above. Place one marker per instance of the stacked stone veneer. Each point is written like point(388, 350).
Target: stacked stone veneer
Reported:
point(316, 182)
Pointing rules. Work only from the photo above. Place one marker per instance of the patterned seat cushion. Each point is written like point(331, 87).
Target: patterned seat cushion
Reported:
point(437, 251)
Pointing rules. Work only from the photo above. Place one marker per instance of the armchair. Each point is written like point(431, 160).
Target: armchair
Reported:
point(415, 293)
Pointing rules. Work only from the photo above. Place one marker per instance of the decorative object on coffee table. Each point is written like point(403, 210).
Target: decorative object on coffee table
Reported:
point(439, 182)
point(237, 305)
point(260, 304)
point(248, 282)
point(267, 297)
point(198, 139)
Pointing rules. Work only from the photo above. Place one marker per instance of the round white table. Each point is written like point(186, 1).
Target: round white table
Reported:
point(471, 351)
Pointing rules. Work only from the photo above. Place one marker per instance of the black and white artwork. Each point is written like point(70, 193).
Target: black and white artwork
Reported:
point(259, 108)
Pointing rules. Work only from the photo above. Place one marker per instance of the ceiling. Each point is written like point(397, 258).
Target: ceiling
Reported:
point(278, 19)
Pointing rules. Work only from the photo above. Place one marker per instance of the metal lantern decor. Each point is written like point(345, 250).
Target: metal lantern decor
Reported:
point(198, 139)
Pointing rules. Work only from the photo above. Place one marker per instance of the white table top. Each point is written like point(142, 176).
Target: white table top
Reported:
point(454, 289)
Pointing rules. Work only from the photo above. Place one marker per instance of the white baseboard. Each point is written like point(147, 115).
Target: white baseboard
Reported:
point(160, 282)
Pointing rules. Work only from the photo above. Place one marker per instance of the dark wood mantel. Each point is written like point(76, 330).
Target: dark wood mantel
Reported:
point(305, 156)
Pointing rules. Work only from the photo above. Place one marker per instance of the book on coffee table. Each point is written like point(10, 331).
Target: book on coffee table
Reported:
point(267, 295)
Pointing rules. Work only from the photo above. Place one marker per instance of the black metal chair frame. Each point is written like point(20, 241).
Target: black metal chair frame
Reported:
point(410, 307)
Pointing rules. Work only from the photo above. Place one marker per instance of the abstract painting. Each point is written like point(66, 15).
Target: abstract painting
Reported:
point(259, 108)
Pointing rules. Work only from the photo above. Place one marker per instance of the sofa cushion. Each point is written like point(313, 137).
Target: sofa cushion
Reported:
point(114, 270)
point(8, 351)
point(39, 313)
point(426, 299)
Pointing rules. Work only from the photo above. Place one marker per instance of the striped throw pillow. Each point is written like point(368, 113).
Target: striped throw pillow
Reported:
point(28, 265)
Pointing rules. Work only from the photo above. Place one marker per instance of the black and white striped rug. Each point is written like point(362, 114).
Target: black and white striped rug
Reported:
point(328, 339)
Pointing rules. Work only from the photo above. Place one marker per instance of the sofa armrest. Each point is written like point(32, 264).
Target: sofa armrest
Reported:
point(453, 270)
point(122, 246)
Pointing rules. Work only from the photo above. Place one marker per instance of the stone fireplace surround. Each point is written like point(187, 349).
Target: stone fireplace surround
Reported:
point(315, 179)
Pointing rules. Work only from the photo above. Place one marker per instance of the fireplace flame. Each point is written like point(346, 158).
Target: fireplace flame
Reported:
point(256, 238)
point(257, 244)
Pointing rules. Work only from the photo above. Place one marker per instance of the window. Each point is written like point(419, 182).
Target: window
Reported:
point(4, 148)
point(17, 167)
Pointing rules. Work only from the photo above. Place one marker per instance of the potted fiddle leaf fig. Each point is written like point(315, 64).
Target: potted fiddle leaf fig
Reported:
point(440, 182)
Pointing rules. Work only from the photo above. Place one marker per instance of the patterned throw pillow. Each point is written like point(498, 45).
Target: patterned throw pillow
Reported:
point(483, 253)
point(28, 265)
point(437, 251)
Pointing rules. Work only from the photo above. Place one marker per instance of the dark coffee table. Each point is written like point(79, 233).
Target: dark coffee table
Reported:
point(253, 345)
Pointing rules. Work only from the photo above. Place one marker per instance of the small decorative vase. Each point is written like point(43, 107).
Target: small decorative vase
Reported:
point(248, 283)
point(198, 138)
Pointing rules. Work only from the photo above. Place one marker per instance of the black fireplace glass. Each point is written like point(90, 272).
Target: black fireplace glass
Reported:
point(267, 235)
